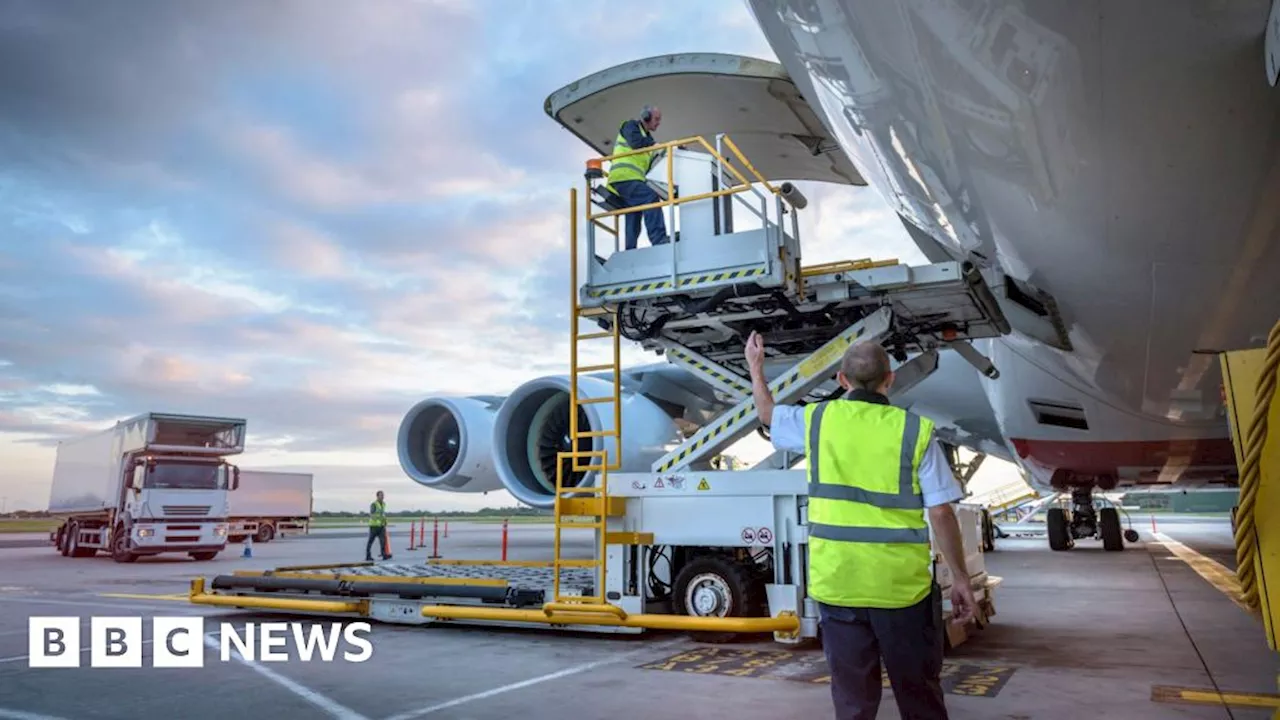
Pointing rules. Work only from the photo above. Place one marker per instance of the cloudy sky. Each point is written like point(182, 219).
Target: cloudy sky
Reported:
point(308, 214)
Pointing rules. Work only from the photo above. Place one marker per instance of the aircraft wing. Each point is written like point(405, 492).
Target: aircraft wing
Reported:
point(753, 101)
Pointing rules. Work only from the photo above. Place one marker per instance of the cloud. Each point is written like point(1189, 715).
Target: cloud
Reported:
point(307, 218)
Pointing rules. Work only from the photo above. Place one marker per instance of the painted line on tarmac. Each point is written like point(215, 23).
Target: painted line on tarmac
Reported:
point(306, 693)
point(411, 715)
point(7, 714)
point(83, 650)
point(1209, 696)
point(36, 600)
point(1214, 572)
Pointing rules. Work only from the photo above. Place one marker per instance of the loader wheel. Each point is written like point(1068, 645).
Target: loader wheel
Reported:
point(1109, 524)
point(204, 556)
point(1056, 527)
point(717, 586)
point(265, 533)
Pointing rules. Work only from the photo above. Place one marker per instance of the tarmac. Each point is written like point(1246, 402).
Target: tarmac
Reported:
point(1083, 633)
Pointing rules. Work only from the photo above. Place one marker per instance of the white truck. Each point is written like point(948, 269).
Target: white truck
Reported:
point(269, 504)
point(155, 483)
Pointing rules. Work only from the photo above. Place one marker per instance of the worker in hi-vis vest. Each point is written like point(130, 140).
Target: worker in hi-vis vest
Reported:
point(627, 177)
point(378, 529)
point(874, 472)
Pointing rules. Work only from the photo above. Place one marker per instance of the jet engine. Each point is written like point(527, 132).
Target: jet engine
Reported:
point(533, 427)
point(444, 443)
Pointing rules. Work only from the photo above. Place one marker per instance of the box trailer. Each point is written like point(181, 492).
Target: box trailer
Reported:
point(269, 504)
point(155, 483)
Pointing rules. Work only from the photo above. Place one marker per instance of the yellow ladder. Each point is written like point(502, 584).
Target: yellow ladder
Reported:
point(596, 506)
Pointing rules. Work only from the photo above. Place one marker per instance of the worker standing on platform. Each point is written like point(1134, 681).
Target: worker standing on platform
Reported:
point(627, 177)
point(873, 469)
point(377, 529)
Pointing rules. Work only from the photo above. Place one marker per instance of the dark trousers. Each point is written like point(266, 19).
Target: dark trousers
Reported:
point(635, 193)
point(909, 640)
point(379, 534)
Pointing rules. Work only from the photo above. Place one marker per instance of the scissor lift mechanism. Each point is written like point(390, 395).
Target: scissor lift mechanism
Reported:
point(733, 542)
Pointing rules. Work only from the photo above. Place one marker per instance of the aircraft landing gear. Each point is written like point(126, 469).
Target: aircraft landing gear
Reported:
point(1083, 520)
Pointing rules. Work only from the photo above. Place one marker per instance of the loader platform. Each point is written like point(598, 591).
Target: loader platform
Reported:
point(511, 584)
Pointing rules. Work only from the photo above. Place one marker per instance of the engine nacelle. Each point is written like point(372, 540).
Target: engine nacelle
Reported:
point(445, 443)
point(533, 426)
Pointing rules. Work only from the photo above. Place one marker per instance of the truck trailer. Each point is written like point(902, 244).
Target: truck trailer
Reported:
point(270, 504)
point(155, 483)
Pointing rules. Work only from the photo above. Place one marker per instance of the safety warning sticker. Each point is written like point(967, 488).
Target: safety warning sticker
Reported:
point(704, 485)
point(748, 535)
point(968, 679)
point(764, 535)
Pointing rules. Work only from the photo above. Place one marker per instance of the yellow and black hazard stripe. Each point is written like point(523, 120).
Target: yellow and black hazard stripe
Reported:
point(686, 282)
point(726, 423)
point(734, 381)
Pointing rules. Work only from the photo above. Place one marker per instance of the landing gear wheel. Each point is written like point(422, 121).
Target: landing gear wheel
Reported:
point(717, 586)
point(265, 533)
point(988, 532)
point(1056, 526)
point(120, 546)
point(1109, 528)
point(203, 556)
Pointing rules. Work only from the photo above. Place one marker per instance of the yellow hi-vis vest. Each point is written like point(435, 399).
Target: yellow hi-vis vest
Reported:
point(868, 539)
point(377, 514)
point(631, 167)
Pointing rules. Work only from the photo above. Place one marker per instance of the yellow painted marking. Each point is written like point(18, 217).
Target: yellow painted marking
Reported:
point(143, 596)
point(1208, 696)
point(1214, 573)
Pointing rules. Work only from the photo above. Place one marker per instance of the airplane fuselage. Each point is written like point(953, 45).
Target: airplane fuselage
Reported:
point(1121, 156)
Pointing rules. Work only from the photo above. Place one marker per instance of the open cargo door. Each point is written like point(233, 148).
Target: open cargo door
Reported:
point(753, 101)
point(194, 433)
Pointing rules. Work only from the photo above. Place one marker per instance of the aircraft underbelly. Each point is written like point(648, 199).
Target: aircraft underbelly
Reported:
point(1123, 157)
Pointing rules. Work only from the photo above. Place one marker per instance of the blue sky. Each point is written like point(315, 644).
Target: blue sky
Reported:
point(310, 215)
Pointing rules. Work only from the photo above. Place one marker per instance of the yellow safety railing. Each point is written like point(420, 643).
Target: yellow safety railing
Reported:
point(722, 165)
point(670, 162)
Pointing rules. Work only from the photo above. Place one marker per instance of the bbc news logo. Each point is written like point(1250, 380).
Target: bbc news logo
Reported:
point(180, 642)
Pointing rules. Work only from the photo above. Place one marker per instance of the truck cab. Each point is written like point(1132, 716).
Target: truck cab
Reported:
point(178, 503)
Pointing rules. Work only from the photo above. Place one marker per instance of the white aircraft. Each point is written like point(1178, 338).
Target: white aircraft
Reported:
point(1114, 167)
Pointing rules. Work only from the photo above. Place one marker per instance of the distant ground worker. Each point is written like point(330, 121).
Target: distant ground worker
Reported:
point(873, 469)
point(378, 529)
point(627, 177)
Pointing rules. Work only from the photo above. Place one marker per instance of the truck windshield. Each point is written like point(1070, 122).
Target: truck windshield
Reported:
point(186, 476)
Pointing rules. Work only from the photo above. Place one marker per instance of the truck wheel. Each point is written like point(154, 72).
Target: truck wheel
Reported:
point(1056, 526)
point(204, 556)
point(62, 540)
point(265, 533)
point(1109, 521)
point(716, 586)
point(120, 547)
point(73, 541)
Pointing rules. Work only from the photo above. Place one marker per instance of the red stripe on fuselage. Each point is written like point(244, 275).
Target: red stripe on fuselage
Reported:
point(1107, 457)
